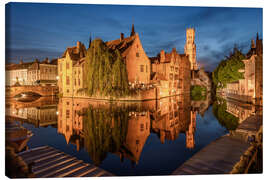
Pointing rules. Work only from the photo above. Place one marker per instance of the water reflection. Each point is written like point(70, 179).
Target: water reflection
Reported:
point(231, 113)
point(123, 128)
point(41, 113)
point(101, 127)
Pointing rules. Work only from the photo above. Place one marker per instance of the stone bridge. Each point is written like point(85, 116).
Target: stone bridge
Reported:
point(12, 91)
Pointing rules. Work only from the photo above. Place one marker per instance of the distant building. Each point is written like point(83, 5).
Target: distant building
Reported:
point(190, 48)
point(17, 74)
point(42, 73)
point(31, 73)
point(201, 78)
point(172, 72)
point(250, 88)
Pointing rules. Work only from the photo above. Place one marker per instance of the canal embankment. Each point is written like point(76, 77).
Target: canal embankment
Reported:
point(232, 153)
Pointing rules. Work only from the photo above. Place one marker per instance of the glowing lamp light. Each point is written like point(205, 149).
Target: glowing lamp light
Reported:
point(57, 77)
point(56, 112)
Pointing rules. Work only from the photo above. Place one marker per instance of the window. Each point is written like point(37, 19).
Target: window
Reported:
point(67, 65)
point(137, 141)
point(67, 90)
point(79, 82)
point(142, 68)
point(137, 54)
point(67, 102)
point(171, 76)
point(142, 126)
point(60, 66)
point(67, 80)
point(176, 69)
point(146, 68)
point(75, 81)
point(67, 113)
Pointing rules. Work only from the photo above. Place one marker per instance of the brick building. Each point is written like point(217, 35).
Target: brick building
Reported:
point(137, 62)
point(171, 72)
point(190, 48)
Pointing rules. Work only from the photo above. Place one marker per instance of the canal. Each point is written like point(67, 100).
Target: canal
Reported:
point(146, 138)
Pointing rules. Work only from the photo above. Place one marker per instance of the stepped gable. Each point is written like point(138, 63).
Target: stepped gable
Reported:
point(76, 52)
point(123, 45)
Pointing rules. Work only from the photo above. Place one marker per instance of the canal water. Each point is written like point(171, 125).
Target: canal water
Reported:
point(146, 138)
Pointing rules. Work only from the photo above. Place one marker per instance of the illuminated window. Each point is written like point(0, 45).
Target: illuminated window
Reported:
point(67, 113)
point(142, 68)
point(142, 127)
point(67, 80)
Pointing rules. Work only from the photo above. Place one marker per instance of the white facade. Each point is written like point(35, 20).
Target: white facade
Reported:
point(13, 75)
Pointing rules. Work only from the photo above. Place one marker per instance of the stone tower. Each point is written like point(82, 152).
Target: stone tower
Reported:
point(190, 48)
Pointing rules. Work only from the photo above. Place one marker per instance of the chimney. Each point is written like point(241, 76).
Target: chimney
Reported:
point(121, 36)
point(47, 60)
point(162, 56)
point(78, 44)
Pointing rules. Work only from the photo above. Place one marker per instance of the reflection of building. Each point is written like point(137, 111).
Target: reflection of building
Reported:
point(174, 116)
point(249, 89)
point(201, 106)
point(242, 111)
point(41, 116)
point(169, 116)
point(137, 134)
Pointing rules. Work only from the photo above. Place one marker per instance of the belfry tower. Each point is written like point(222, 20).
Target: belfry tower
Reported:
point(190, 48)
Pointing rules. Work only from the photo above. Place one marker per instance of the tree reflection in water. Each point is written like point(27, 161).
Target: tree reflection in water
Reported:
point(226, 119)
point(105, 130)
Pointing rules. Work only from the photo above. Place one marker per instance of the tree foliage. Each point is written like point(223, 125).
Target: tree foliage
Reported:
point(228, 69)
point(227, 120)
point(198, 93)
point(105, 71)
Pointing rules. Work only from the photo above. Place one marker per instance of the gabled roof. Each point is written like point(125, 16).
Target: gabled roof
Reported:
point(122, 45)
point(75, 52)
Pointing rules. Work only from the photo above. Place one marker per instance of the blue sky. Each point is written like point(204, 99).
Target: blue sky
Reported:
point(36, 30)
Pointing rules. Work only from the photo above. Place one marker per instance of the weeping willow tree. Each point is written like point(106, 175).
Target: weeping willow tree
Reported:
point(105, 71)
point(105, 130)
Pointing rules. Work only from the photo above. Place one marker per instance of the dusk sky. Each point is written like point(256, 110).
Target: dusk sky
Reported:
point(36, 30)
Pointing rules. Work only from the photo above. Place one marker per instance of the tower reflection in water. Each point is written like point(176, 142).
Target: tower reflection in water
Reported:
point(123, 128)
